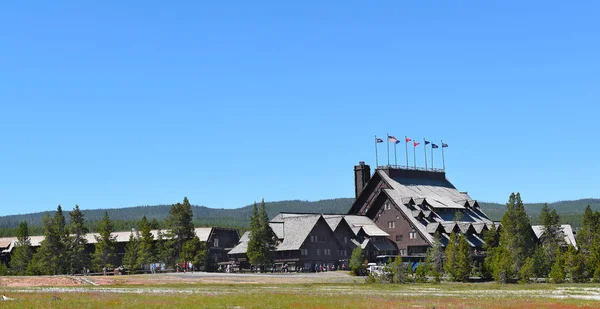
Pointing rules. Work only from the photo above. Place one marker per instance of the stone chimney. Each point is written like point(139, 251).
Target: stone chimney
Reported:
point(362, 175)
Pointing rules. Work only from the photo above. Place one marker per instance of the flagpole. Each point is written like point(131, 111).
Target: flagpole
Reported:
point(432, 156)
point(443, 160)
point(388, 147)
point(395, 157)
point(406, 144)
point(415, 154)
point(376, 156)
point(425, 152)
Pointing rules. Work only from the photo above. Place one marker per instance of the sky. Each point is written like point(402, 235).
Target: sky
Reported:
point(122, 103)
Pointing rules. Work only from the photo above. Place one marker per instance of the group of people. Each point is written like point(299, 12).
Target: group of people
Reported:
point(185, 266)
point(328, 267)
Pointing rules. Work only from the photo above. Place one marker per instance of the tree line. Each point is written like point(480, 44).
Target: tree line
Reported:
point(512, 252)
point(65, 250)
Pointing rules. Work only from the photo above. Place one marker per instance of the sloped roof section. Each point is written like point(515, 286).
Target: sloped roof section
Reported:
point(242, 246)
point(296, 230)
point(567, 230)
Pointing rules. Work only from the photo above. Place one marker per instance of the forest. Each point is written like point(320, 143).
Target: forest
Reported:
point(571, 212)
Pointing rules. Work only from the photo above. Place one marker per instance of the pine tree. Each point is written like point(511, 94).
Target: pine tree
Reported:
point(434, 262)
point(557, 273)
point(22, 254)
point(587, 236)
point(516, 242)
point(267, 233)
point(50, 257)
point(541, 263)
point(458, 258)
point(553, 235)
point(105, 253)
point(574, 266)
point(463, 263)
point(131, 256)
point(180, 225)
point(256, 253)
point(146, 254)
point(77, 255)
point(195, 251)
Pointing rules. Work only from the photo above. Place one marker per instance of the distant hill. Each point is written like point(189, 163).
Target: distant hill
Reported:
point(203, 216)
point(570, 211)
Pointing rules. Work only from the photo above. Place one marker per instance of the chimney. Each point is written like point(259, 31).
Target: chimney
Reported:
point(362, 175)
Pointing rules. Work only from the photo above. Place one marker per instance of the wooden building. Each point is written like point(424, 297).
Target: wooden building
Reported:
point(412, 205)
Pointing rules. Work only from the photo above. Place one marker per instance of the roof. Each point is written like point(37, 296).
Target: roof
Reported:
point(569, 237)
point(333, 220)
point(296, 230)
point(203, 234)
point(373, 230)
point(242, 246)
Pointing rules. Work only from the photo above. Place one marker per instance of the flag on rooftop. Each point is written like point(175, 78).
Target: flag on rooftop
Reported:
point(427, 142)
point(392, 139)
point(417, 144)
point(378, 140)
point(444, 145)
point(434, 146)
point(408, 139)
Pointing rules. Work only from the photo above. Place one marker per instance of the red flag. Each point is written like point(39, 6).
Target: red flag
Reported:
point(417, 144)
point(408, 139)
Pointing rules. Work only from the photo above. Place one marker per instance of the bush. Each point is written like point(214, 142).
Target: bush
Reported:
point(356, 262)
point(3, 270)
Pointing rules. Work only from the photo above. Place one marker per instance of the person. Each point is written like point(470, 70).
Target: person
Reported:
point(343, 266)
point(104, 270)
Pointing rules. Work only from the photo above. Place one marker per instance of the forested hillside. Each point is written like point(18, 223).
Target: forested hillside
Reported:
point(125, 218)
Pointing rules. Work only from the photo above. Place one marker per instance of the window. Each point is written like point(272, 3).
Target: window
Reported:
point(313, 238)
point(216, 242)
point(391, 224)
point(387, 206)
point(327, 251)
point(345, 240)
point(412, 235)
point(399, 237)
point(304, 252)
point(318, 251)
point(402, 252)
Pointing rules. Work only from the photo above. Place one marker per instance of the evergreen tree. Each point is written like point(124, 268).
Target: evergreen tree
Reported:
point(574, 266)
point(266, 231)
point(164, 250)
point(587, 237)
point(180, 225)
point(553, 235)
point(22, 254)
point(77, 255)
point(557, 273)
point(434, 260)
point(516, 240)
point(527, 271)
point(146, 253)
point(458, 258)
point(195, 251)
point(132, 249)
point(105, 253)
point(356, 261)
point(257, 255)
point(50, 257)
point(541, 262)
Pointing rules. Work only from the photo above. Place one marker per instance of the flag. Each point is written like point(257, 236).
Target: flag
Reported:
point(397, 142)
point(408, 139)
point(392, 139)
point(444, 145)
point(434, 146)
point(417, 144)
point(378, 140)
point(427, 142)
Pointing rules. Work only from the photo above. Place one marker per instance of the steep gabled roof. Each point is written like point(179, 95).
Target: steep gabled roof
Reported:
point(397, 199)
point(569, 237)
point(333, 220)
point(242, 246)
point(296, 230)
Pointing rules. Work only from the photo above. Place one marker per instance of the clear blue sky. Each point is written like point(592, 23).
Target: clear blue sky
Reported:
point(123, 103)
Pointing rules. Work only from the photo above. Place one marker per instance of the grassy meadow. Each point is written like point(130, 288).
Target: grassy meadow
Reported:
point(307, 296)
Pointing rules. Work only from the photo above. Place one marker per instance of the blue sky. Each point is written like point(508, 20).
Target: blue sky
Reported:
point(115, 104)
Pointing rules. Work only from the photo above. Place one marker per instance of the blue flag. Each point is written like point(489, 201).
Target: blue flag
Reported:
point(378, 140)
point(444, 145)
point(427, 142)
point(434, 146)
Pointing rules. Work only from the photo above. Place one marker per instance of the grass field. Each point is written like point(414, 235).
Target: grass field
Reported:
point(298, 292)
point(306, 296)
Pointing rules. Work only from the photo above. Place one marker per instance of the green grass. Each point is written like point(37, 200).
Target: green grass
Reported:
point(446, 295)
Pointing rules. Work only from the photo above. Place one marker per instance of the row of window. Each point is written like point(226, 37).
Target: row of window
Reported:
point(316, 238)
point(304, 252)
